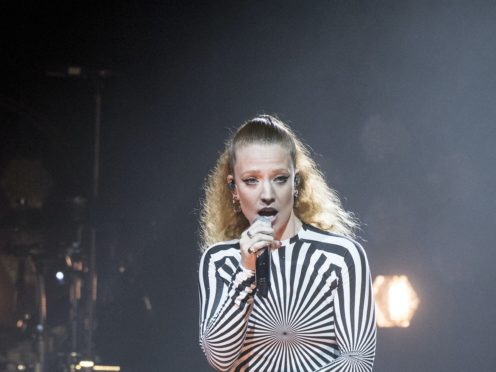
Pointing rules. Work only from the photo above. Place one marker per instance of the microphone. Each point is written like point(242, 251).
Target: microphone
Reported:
point(262, 267)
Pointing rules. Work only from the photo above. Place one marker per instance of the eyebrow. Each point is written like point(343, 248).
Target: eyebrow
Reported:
point(280, 170)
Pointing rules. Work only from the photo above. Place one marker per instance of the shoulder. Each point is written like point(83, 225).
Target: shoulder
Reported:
point(330, 242)
point(220, 261)
point(344, 251)
point(221, 250)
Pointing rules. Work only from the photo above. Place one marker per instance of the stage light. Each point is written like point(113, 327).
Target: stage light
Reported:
point(90, 365)
point(106, 368)
point(86, 363)
point(60, 276)
point(396, 300)
point(74, 70)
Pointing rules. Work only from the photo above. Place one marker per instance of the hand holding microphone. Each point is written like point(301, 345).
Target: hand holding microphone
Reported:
point(263, 268)
point(255, 244)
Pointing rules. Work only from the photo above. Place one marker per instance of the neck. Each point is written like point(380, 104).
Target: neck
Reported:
point(291, 228)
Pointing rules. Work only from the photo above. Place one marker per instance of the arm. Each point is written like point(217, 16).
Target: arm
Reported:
point(226, 300)
point(354, 315)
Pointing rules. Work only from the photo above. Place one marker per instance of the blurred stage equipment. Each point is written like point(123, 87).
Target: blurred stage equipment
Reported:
point(88, 365)
point(26, 183)
point(84, 266)
point(49, 243)
point(396, 300)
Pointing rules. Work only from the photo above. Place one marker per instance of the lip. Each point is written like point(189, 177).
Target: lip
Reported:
point(263, 212)
point(267, 210)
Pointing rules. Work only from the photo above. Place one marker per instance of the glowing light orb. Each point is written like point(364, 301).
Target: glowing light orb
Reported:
point(395, 299)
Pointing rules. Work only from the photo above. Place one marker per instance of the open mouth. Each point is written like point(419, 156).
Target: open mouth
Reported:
point(267, 212)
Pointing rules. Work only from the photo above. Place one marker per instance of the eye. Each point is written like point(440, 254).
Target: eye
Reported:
point(281, 179)
point(250, 181)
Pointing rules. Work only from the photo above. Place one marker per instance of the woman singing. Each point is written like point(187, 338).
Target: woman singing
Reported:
point(266, 193)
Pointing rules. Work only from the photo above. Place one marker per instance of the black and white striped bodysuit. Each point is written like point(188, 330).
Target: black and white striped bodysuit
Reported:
point(319, 315)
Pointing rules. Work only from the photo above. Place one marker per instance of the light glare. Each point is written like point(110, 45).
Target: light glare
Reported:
point(396, 301)
point(86, 363)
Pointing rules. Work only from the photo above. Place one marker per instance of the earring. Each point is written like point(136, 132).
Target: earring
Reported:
point(296, 200)
point(235, 205)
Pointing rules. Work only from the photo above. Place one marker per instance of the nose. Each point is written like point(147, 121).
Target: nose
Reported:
point(267, 193)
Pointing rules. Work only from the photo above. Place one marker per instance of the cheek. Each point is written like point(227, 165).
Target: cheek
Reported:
point(288, 194)
point(285, 201)
point(246, 199)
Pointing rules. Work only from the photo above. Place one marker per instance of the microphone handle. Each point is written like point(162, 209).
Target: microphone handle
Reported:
point(263, 272)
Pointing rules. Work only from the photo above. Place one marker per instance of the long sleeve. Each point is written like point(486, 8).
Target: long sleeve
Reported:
point(354, 316)
point(226, 300)
point(319, 314)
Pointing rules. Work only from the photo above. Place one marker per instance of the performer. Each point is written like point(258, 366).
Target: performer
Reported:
point(319, 312)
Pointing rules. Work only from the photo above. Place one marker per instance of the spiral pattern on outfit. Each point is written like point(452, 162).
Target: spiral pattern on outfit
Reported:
point(319, 315)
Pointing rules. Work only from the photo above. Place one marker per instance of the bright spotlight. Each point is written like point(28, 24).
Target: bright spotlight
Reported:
point(86, 363)
point(396, 300)
point(60, 276)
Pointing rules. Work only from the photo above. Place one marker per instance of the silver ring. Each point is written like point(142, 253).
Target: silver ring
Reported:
point(249, 234)
point(250, 251)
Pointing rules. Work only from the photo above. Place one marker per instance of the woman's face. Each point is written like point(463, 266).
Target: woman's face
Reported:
point(264, 177)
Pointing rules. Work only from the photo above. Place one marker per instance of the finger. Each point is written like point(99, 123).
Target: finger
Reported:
point(267, 238)
point(260, 222)
point(256, 240)
point(259, 229)
point(262, 219)
point(263, 244)
point(265, 232)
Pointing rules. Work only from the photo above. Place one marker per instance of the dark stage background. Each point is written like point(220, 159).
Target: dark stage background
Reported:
point(396, 99)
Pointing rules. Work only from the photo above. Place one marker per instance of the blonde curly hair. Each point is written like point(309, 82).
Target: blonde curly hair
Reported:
point(317, 204)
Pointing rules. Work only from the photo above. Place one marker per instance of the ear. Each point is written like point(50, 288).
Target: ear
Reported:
point(297, 179)
point(231, 185)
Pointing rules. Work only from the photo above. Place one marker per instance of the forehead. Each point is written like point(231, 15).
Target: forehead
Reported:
point(262, 157)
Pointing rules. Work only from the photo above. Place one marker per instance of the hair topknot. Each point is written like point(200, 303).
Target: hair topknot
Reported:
point(265, 129)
